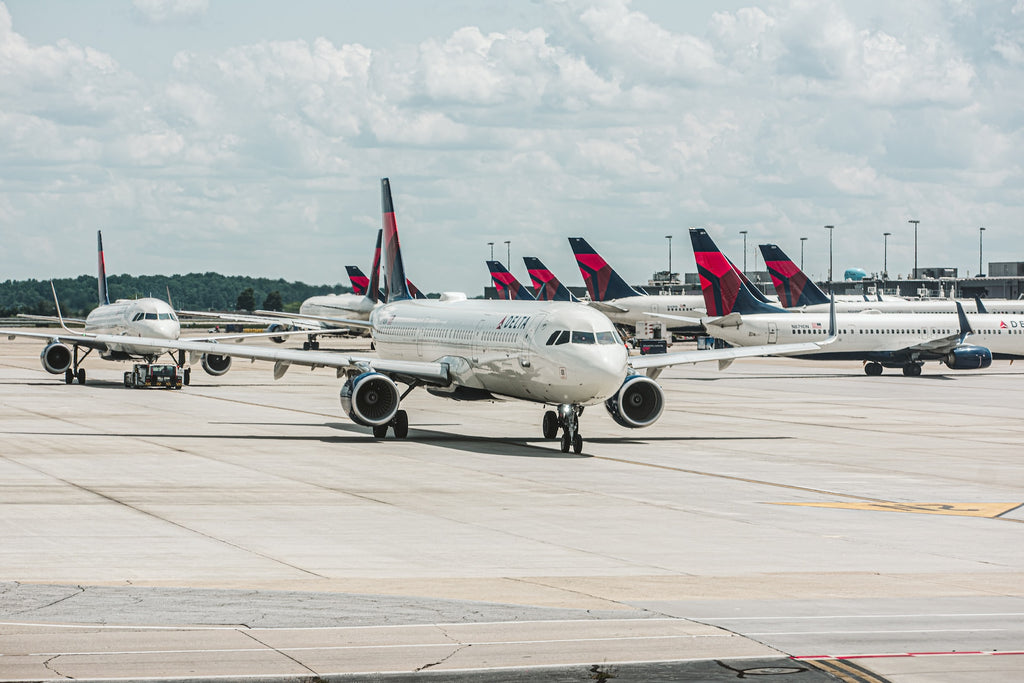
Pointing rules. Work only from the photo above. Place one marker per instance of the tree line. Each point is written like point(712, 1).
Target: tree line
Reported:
point(194, 291)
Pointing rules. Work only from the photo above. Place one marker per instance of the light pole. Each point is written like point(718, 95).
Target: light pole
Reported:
point(669, 238)
point(744, 233)
point(508, 254)
point(802, 240)
point(885, 255)
point(915, 222)
point(830, 228)
point(981, 246)
point(491, 245)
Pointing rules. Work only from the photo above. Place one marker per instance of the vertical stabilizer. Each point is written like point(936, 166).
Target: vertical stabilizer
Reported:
point(414, 290)
point(373, 288)
point(506, 283)
point(724, 291)
point(360, 283)
point(792, 284)
point(602, 282)
point(545, 285)
point(394, 270)
point(102, 276)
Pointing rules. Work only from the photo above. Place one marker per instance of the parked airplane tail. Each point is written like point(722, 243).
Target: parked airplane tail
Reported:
point(602, 282)
point(545, 285)
point(754, 290)
point(723, 289)
point(373, 290)
point(101, 277)
point(360, 283)
point(793, 286)
point(394, 271)
point(506, 283)
point(414, 290)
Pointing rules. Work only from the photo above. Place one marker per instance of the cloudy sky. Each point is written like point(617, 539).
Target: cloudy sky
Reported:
point(249, 137)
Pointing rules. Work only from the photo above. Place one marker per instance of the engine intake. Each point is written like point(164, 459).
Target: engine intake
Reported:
point(637, 403)
point(968, 358)
point(215, 365)
point(56, 358)
point(279, 327)
point(370, 399)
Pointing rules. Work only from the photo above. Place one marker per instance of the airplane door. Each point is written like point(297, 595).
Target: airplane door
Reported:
point(773, 333)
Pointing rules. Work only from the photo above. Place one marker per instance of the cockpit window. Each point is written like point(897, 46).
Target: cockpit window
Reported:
point(552, 338)
point(165, 316)
point(151, 316)
point(606, 338)
point(563, 337)
point(138, 316)
point(582, 337)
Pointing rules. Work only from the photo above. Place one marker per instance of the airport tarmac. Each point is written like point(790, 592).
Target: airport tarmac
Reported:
point(783, 520)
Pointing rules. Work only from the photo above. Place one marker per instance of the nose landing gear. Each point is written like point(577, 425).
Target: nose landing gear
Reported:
point(566, 419)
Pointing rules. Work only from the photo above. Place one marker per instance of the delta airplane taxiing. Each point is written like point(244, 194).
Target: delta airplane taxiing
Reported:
point(111, 330)
point(894, 340)
point(561, 354)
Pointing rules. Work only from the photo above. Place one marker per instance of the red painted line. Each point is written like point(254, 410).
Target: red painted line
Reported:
point(893, 655)
point(936, 654)
point(1007, 653)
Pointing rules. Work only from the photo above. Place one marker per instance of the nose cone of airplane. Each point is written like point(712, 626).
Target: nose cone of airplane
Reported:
point(163, 329)
point(606, 370)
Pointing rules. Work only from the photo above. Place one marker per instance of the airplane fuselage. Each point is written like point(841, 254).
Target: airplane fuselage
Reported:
point(151, 318)
point(509, 348)
point(353, 306)
point(637, 309)
point(875, 336)
point(929, 306)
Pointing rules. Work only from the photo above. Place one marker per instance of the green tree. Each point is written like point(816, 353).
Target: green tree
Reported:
point(246, 300)
point(273, 301)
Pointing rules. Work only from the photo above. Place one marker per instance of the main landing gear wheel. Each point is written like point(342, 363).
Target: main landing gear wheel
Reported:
point(550, 425)
point(912, 370)
point(380, 431)
point(69, 376)
point(401, 424)
point(81, 375)
point(873, 369)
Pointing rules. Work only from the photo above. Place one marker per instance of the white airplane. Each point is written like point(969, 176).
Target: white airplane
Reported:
point(111, 329)
point(904, 340)
point(798, 291)
point(561, 354)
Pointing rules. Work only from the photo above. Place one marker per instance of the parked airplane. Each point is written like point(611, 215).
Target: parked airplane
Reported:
point(877, 339)
point(111, 329)
point(506, 284)
point(626, 307)
point(797, 290)
point(559, 354)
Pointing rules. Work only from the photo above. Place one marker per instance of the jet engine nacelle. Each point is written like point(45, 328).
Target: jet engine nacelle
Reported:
point(968, 358)
point(279, 327)
point(216, 365)
point(56, 358)
point(370, 399)
point(637, 403)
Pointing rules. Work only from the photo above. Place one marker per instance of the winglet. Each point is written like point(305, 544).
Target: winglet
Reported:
point(394, 270)
point(833, 327)
point(373, 288)
point(56, 303)
point(602, 281)
point(965, 326)
point(981, 307)
point(101, 275)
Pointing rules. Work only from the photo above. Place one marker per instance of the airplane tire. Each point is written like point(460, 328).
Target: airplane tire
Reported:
point(565, 443)
point(69, 376)
point(81, 375)
point(912, 370)
point(305, 346)
point(550, 425)
point(186, 376)
point(873, 369)
point(577, 444)
point(380, 431)
point(401, 423)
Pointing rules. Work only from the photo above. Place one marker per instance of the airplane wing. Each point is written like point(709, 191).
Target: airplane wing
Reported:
point(248, 319)
point(323, 320)
point(434, 373)
point(607, 307)
point(659, 361)
point(51, 319)
point(89, 341)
